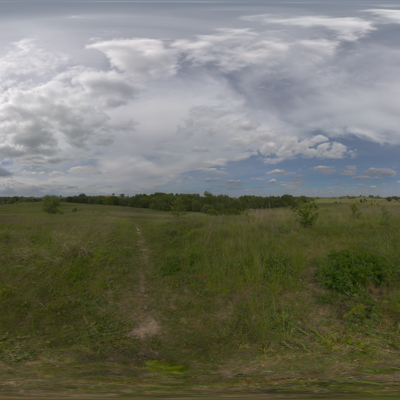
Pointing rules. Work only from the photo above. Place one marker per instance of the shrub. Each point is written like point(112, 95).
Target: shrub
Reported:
point(211, 211)
point(361, 309)
point(355, 211)
point(205, 208)
point(347, 272)
point(51, 204)
point(307, 212)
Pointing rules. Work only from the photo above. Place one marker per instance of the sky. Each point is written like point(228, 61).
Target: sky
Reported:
point(234, 97)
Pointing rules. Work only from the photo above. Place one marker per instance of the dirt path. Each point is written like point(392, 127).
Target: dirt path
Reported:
point(147, 323)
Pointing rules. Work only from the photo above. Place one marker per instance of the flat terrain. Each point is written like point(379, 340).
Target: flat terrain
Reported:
point(120, 301)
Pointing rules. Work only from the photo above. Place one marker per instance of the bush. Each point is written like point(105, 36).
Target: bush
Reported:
point(307, 212)
point(355, 211)
point(361, 309)
point(211, 211)
point(51, 204)
point(346, 272)
point(205, 208)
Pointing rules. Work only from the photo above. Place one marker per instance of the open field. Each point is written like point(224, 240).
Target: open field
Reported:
point(129, 301)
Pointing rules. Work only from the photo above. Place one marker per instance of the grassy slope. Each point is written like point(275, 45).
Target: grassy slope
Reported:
point(113, 299)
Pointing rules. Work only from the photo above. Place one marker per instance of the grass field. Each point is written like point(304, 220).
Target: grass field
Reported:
point(118, 300)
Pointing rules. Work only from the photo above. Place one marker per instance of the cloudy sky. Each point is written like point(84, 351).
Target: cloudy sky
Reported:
point(235, 97)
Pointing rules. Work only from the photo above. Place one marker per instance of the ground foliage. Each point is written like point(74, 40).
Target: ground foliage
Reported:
point(254, 298)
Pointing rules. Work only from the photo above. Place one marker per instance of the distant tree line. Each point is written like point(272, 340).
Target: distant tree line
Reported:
point(18, 199)
point(191, 202)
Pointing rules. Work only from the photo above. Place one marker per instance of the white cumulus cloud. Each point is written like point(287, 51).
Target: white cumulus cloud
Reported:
point(276, 172)
point(346, 28)
point(385, 15)
point(381, 172)
point(140, 57)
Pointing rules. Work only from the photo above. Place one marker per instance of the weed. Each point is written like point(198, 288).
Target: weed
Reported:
point(347, 272)
point(171, 266)
point(166, 368)
point(361, 310)
point(386, 217)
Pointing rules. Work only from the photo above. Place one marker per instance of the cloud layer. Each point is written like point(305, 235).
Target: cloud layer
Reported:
point(276, 91)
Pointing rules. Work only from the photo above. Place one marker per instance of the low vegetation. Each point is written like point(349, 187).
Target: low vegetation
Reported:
point(129, 300)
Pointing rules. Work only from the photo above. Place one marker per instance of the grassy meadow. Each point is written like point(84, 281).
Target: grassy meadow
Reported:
point(130, 301)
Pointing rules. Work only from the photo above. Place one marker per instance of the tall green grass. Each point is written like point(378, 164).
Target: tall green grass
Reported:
point(214, 283)
point(61, 276)
point(263, 263)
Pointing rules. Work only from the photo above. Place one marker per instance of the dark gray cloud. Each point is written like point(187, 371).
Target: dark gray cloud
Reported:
point(211, 179)
point(324, 170)
point(234, 182)
point(4, 172)
point(365, 178)
point(350, 170)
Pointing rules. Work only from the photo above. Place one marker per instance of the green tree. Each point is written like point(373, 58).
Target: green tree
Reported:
point(51, 204)
point(109, 201)
point(196, 205)
point(178, 207)
point(307, 213)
